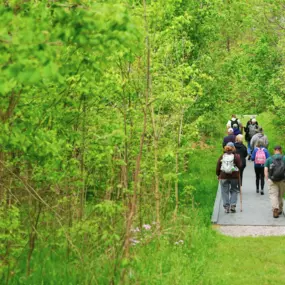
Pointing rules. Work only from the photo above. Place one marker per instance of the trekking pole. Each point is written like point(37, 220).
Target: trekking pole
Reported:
point(240, 192)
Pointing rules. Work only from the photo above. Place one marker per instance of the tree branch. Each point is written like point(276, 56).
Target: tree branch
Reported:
point(13, 101)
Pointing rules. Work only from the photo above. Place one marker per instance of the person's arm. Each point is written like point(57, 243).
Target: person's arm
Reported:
point(266, 173)
point(253, 154)
point(266, 141)
point(241, 127)
point(266, 166)
point(245, 154)
point(228, 124)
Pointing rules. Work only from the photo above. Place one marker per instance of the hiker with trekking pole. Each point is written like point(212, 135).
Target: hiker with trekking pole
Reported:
point(228, 173)
point(240, 192)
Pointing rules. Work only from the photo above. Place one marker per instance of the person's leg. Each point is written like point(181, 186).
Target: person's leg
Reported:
point(273, 191)
point(248, 150)
point(257, 177)
point(233, 193)
point(225, 189)
point(281, 185)
point(262, 180)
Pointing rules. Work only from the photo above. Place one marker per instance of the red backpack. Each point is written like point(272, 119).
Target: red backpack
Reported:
point(260, 156)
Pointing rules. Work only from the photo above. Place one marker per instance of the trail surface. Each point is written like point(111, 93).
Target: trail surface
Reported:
point(256, 217)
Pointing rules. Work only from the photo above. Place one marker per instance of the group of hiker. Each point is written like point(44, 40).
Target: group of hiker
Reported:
point(232, 162)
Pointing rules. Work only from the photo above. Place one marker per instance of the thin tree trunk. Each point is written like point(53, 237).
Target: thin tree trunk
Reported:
point(70, 216)
point(156, 173)
point(2, 176)
point(167, 197)
point(228, 44)
point(32, 239)
point(82, 168)
point(4, 117)
point(177, 166)
point(133, 200)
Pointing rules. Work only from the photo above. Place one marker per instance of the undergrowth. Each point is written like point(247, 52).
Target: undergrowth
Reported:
point(187, 251)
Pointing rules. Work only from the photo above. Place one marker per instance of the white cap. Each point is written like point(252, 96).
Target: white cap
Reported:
point(230, 130)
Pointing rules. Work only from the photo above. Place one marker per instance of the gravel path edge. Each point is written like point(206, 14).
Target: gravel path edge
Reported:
point(253, 231)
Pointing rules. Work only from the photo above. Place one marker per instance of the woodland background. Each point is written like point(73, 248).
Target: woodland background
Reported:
point(112, 115)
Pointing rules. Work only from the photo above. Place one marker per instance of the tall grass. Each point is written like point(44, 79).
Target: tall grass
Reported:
point(177, 256)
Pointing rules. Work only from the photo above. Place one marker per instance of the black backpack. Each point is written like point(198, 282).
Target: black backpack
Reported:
point(235, 122)
point(277, 169)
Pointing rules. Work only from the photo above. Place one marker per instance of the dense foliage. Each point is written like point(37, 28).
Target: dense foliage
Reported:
point(106, 109)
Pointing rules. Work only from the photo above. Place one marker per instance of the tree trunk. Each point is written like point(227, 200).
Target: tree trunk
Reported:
point(177, 166)
point(82, 161)
point(156, 172)
point(33, 237)
point(133, 200)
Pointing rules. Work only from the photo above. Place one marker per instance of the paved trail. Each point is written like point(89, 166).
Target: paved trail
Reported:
point(256, 208)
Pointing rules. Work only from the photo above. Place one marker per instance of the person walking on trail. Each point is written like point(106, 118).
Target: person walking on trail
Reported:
point(229, 138)
point(246, 128)
point(250, 132)
point(227, 170)
point(259, 156)
point(259, 136)
point(249, 122)
point(242, 151)
point(235, 121)
point(274, 175)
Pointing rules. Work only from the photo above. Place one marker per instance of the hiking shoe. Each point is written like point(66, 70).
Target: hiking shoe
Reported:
point(227, 210)
point(261, 192)
point(249, 157)
point(257, 190)
point(233, 208)
point(275, 213)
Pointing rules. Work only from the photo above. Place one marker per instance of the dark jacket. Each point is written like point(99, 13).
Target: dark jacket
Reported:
point(229, 138)
point(247, 124)
point(242, 151)
point(233, 175)
point(246, 129)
